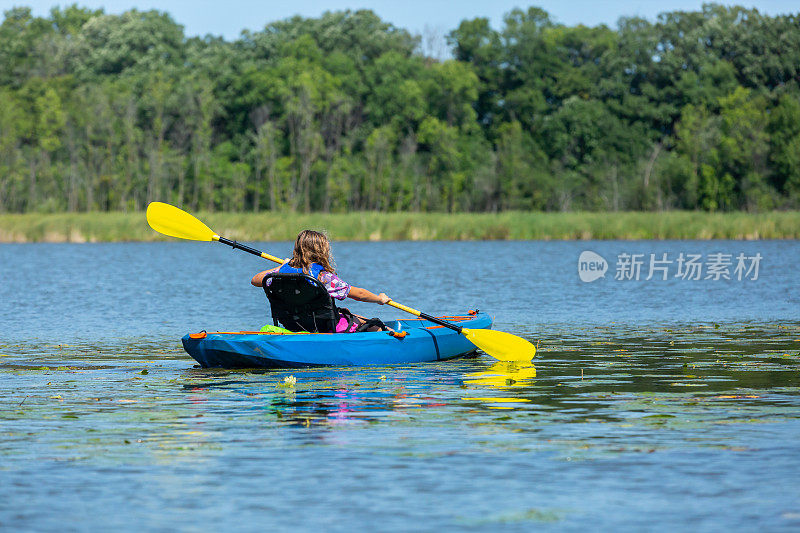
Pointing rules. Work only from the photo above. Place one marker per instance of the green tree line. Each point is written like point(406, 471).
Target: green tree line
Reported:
point(345, 112)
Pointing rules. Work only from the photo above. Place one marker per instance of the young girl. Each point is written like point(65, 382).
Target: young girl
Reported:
point(312, 256)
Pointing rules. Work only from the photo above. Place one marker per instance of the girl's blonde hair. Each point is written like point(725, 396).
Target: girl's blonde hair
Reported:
point(312, 247)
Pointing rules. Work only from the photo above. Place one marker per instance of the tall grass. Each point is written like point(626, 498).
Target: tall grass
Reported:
point(274, 226)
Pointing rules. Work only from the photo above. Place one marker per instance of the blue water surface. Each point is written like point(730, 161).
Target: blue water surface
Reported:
point(651, 405)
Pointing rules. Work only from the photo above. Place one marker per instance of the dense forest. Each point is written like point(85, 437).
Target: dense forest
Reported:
point(695, 110)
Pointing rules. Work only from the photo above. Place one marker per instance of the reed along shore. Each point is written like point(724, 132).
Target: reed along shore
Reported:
point(374, 226)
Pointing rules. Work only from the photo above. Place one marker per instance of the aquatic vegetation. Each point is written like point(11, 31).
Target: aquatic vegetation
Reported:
point(587, 418)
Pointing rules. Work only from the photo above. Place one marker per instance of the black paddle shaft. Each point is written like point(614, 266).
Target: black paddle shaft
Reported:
point(440, 322)
point(239, 246)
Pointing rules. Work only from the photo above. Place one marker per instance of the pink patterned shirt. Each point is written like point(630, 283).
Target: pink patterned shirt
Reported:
point(336, 287)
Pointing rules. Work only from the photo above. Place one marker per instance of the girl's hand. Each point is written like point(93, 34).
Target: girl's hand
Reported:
point(383, 299)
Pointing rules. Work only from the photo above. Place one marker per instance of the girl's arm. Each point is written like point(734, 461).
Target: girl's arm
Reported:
point(258, 279)
point(363, 295)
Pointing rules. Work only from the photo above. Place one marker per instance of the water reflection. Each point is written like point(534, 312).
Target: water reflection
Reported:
point(503, 375)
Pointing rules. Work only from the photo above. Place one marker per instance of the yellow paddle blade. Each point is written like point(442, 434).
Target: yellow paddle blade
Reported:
point(170, 220)
point(501, 345)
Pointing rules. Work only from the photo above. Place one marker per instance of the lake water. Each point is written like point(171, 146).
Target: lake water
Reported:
point(653, 405)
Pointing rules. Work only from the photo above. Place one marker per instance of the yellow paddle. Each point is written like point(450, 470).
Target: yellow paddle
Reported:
point(499, 344)
point(170, 220)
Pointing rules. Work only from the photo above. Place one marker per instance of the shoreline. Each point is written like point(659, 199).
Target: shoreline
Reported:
point(373, 226)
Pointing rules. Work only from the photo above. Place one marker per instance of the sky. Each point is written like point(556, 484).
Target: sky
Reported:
point(229, 18)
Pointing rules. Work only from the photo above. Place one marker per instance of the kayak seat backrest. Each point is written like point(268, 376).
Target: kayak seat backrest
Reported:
point(300, 303)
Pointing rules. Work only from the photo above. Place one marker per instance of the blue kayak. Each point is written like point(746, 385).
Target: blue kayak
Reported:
point(418, 341)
